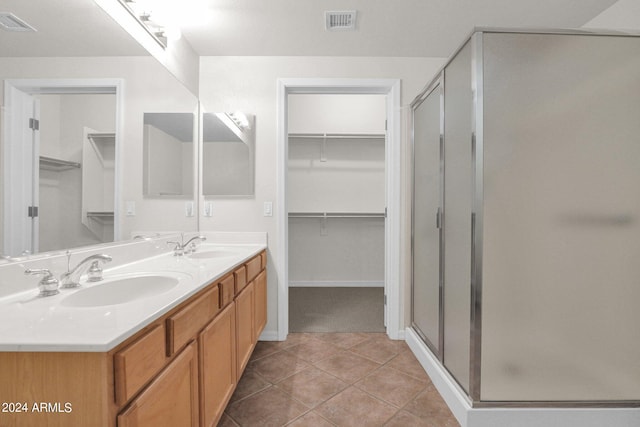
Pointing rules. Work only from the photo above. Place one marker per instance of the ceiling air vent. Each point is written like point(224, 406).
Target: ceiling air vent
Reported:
point(340, 20)
point(10, 22)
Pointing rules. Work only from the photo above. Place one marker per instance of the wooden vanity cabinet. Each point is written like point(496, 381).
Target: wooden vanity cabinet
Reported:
point(227, 290)
point(138, 363)
point(217, 356)
point(245, 327)
point(251, 317)
point(188, 321)
point(260, 309)
point(254, 266)
point(179, 371)
point(171, 400)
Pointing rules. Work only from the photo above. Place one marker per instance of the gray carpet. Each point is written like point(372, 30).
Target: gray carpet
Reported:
point(336, 309)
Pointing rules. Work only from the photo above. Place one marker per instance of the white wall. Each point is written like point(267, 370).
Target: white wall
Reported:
point(330, 113)
point(622, 15)
point(350, 179)
point(250, 84)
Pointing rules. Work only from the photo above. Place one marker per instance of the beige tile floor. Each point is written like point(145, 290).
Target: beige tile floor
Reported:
point(335, 379)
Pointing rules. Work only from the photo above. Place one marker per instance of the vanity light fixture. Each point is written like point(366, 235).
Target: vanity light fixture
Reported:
point(151, 16)
point(10, 22)
point(240, 119)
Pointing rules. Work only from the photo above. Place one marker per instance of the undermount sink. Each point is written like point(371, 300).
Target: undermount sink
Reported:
point(214, 253)
point(121, 290)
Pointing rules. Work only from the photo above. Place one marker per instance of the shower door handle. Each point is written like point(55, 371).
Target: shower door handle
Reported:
point(439, 218)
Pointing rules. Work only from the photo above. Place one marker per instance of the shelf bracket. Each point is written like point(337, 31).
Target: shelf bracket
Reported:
point(323, 149)
point(323, 225)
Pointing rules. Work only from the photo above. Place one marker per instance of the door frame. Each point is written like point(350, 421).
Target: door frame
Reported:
point(391, 89)
point(60, 87)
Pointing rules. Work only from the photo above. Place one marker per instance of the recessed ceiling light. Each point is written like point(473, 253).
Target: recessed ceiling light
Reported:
point(10, 22)
point(343, 20)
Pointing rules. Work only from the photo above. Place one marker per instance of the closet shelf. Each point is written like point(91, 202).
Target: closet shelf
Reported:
point(100, 216)
point(329, 136)
point(104, 137)
point(57, 165)
point(337, 215)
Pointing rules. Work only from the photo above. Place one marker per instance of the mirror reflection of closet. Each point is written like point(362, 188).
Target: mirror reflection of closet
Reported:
point(228, 154)
point(168, 155)
point(76, 173)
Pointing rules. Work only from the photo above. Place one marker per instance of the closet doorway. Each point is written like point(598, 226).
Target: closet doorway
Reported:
point(338, 204)
point(59, 172)
point(336, 212)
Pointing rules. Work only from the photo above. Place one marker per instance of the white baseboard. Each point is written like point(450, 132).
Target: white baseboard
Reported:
point(400, 335)
point(509, 417)
point(448, 388)
point(336, 284)
point(268, 336)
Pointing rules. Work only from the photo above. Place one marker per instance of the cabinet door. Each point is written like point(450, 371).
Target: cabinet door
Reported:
point(171, 400)
point(260, 298)
point(217, 346)
point(245, 326)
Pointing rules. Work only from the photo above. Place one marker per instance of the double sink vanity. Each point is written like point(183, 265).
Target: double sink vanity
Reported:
point(160, 340)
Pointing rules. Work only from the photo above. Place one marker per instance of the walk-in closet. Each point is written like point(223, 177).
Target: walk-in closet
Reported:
point(336, 212)
point(75, 184)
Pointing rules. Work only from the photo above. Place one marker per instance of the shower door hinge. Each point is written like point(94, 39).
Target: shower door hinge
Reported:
point(385, 299)
point(32, 211)
point(34, 124)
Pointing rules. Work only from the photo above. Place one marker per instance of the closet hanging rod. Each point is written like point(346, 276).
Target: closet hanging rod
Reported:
point(49, 163)
point(337, 135)
point(102, 136)
point(336, 215)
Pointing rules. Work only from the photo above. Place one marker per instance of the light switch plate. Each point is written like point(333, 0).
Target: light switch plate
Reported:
point(130, 208)
point(268, 209)
point(188, 209)
point(208, 209)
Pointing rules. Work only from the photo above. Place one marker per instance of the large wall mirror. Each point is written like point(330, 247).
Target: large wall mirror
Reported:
point(228, 154)
point(84, 157)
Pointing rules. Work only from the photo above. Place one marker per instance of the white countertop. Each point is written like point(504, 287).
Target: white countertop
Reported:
point(29, 322)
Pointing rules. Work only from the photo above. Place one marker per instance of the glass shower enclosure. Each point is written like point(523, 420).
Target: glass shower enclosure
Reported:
point(526, 218)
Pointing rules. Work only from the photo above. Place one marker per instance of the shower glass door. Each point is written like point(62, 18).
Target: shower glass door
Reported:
point(427, 283)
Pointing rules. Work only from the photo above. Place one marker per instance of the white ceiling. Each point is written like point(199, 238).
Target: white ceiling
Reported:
point(426, 28)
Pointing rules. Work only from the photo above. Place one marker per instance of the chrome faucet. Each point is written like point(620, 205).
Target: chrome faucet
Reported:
point(71, 278)
point(190, 246)
point(48, 285)
point(182, 248)
point(146, 237)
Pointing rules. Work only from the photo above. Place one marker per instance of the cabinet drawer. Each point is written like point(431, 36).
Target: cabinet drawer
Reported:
point(254, 265)
point(185, 324)
point(138, 363)
point(241, 278)
point(171, 400)
point(263, 258)
point(227, 290)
